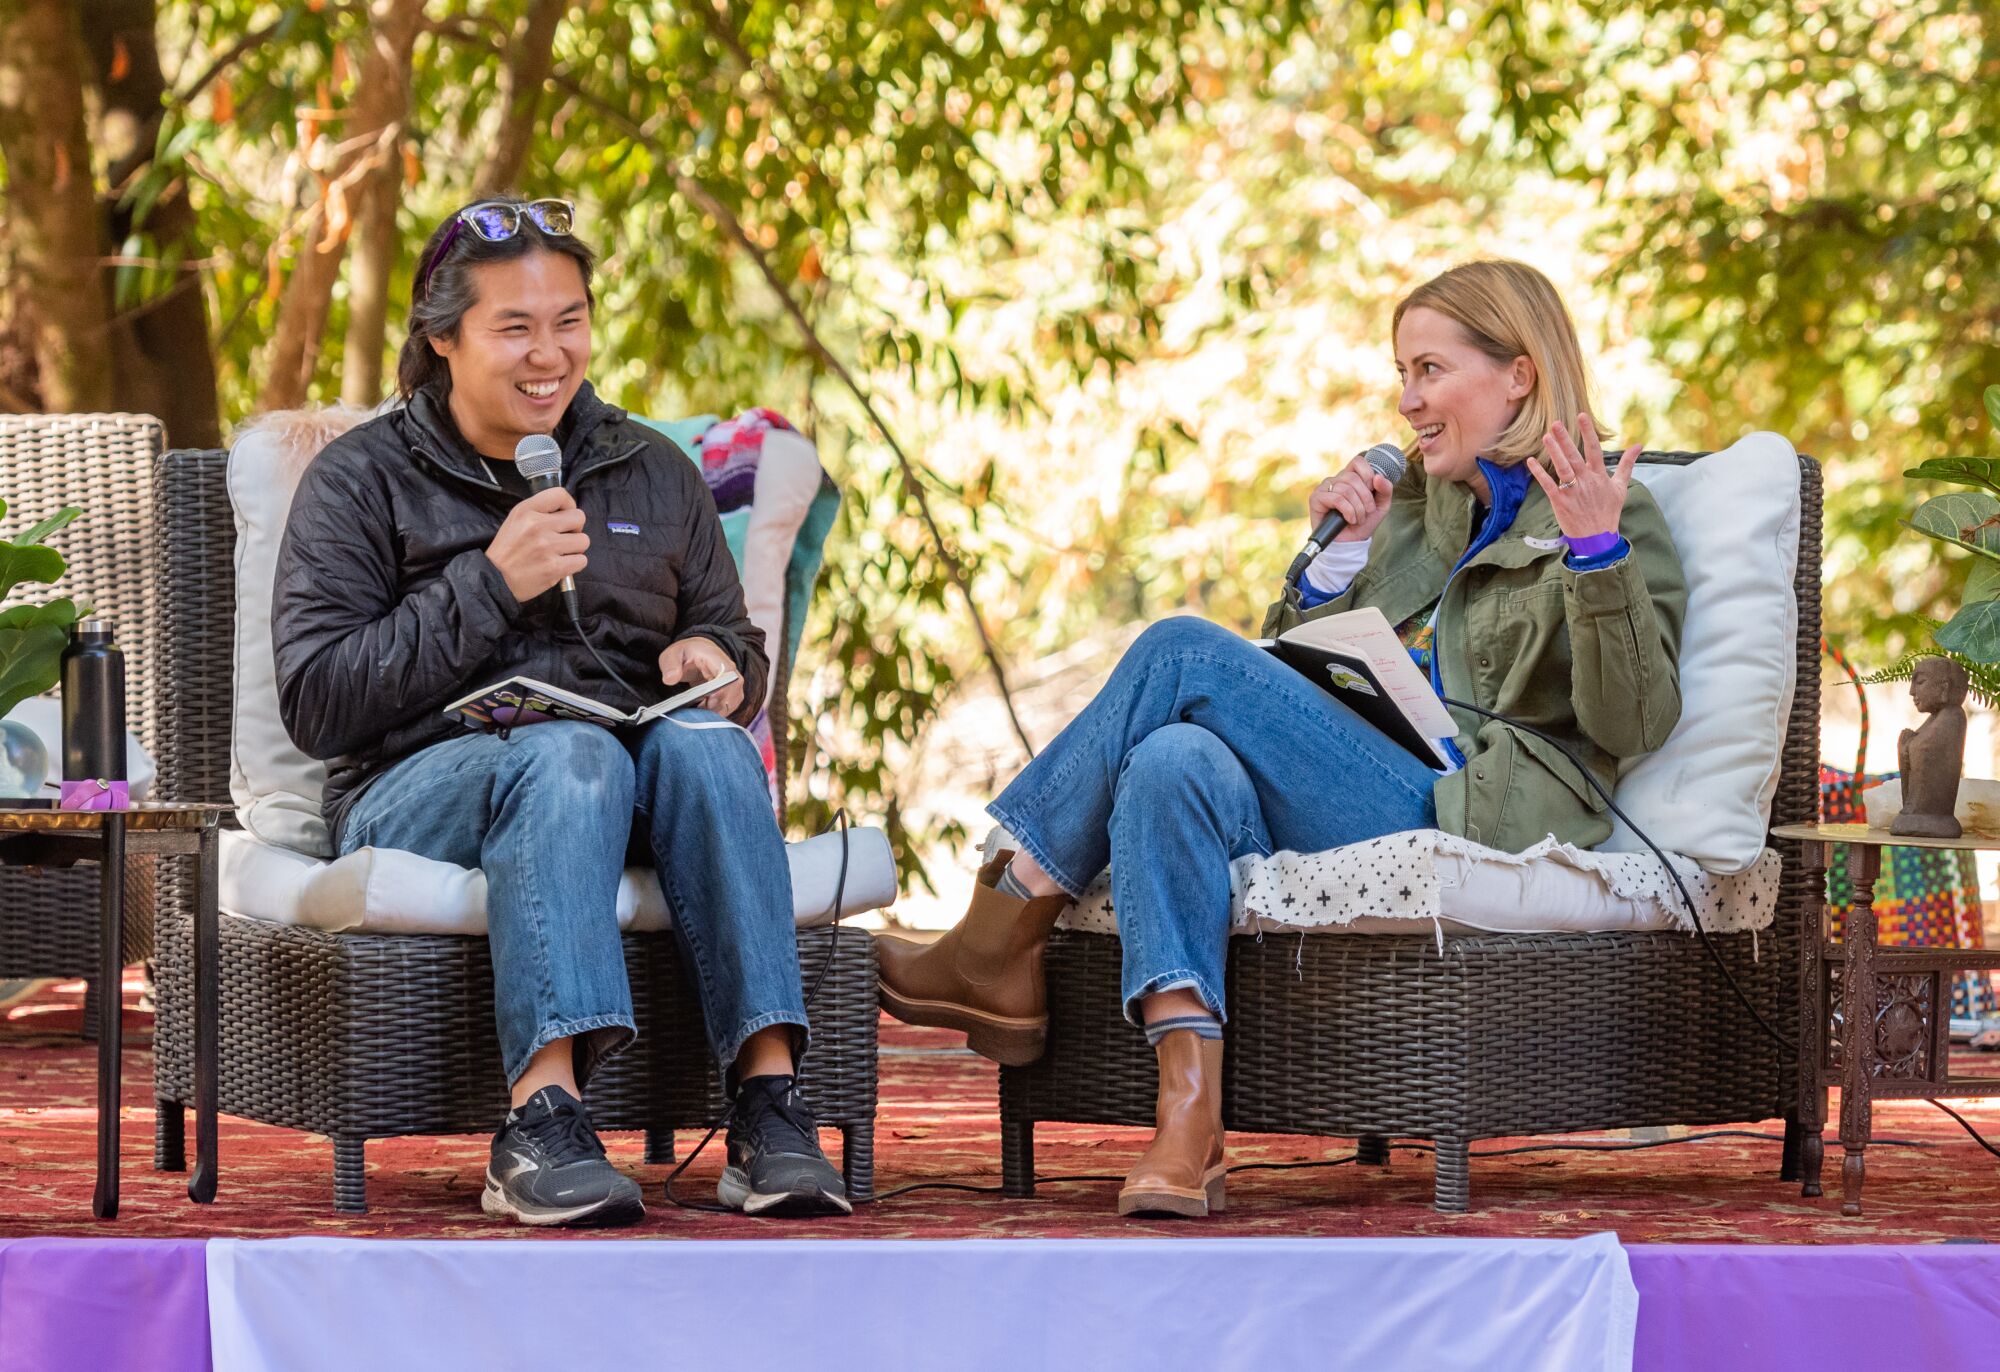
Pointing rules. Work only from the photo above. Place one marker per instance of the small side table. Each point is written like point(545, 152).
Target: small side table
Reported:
point(57, 838)
point(1895, 1007)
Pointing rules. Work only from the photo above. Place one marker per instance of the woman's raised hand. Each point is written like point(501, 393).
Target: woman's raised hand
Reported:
point(1587, 498)
point(1360, 493)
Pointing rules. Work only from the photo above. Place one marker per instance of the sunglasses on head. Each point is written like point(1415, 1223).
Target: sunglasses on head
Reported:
point(496, 221)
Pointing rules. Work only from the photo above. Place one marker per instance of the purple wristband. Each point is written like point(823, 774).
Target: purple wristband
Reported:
point(1596, 545)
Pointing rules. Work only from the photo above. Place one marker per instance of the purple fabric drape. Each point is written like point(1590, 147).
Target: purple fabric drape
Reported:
point(114, 1303)
point(103, 1303)
point(1752, 1306)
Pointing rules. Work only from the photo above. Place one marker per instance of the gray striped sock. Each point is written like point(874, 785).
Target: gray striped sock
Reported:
point(1204, 1026)
point(1011, 884)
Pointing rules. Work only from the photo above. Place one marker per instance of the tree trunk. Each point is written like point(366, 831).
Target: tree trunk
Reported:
point(381, 98)
point(164, 354)
point(530, 58)
point(53, 204)
point(368, 171)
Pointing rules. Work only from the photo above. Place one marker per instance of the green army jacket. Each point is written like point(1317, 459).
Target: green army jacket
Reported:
point(1588, 657)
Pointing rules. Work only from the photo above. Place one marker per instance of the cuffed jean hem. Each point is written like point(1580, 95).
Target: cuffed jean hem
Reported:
point(801, 1040)
point(1169, 981)
point(601, 1037)
point(1037, 850)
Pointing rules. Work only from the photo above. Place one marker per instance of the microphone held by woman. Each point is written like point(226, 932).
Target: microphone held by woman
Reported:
point(1383, 464)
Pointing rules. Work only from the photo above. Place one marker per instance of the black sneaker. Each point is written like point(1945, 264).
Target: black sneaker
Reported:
point(775, 1166)
point(549, 1168)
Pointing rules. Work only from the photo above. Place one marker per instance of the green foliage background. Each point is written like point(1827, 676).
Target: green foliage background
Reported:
point(1117, 272)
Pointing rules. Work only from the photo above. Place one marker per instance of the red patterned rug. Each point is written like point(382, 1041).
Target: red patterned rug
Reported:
point(938, 1123)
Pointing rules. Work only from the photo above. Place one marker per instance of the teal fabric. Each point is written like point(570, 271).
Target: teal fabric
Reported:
point(807, 553)
point(686, 432)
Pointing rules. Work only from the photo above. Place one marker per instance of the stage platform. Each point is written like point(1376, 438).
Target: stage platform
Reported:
point(1724, 1266)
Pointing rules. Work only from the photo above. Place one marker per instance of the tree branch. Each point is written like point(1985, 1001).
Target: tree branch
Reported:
point(233, 54)
point(699, 195)
point(530, 55)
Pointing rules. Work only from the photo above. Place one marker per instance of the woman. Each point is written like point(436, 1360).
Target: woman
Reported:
point(1556, 599)
point(417, 567)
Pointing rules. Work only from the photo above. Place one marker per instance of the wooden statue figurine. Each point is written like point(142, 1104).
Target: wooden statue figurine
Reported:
point(1932, 756)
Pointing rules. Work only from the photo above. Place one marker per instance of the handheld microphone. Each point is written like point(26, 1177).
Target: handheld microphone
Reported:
point(1387, 459)
point(538, 458)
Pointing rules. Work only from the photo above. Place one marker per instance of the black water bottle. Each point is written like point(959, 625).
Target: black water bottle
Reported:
point(93, 705)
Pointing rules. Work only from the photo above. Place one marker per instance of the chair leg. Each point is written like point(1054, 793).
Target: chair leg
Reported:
point(90, 1010)
point(1452, 1191)
point(169, 1136)
point(1017, 1157)
point(857, 1160)
point(1371, 1150)
point(350, 1175)
point(1788, 1157)
point(659, 1145)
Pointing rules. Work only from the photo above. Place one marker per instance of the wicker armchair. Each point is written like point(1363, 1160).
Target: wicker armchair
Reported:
point(361, 1036)
point(103, 462)
point(1374, 1037)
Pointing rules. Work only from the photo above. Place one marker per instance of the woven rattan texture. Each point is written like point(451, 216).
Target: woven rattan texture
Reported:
point(361, 1036)
point(48, 919)
point(103, 463)
point(1356, 1035)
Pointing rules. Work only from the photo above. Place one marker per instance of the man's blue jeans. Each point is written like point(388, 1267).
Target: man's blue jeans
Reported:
point(1200, 749)
point(549, 813)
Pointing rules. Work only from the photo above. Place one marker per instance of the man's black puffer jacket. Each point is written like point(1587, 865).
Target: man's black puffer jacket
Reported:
point(386, 607)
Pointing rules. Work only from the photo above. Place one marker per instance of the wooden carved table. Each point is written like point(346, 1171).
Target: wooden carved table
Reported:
point(1874, 1021)
point(57, 838)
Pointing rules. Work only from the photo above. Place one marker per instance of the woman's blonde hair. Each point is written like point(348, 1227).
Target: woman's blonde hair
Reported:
point(1510, 310)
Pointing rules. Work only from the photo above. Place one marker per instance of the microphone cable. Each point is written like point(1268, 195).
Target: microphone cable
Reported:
point(840, 822)
point(1790, 1046)
point(576, 623)
point(1694, 915)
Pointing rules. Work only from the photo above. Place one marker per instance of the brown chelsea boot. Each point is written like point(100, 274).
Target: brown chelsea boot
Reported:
point(984, 977)
point(1183, 1172)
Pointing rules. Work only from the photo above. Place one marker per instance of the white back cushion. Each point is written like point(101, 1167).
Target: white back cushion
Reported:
point(1735, 521)
point(276, 787)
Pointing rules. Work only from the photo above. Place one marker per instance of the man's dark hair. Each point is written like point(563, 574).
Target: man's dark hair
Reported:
point(444, 289)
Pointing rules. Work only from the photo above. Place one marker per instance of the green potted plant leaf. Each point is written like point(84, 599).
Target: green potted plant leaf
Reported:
point(32, 638)
point(1968, 519)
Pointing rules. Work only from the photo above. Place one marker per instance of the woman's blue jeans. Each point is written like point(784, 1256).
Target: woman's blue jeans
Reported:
point(1202, 748)
point(549, 813)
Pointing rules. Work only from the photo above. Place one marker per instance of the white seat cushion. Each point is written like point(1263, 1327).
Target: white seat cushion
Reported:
point(387, 891)
point(1425, 879)
point(1707, 794)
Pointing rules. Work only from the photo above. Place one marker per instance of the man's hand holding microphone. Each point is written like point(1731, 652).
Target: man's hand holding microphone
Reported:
point(541, 542)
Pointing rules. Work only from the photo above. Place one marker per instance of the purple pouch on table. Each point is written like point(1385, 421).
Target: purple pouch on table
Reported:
point(96, 794)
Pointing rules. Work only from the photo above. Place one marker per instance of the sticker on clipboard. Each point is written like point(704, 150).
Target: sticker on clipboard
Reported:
point(1348, 679)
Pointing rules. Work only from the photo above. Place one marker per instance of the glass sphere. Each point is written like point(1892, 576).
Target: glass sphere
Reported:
point(24, 762)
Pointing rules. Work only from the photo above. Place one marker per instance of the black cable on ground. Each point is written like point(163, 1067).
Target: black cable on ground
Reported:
point(840, 823)
point(1635, 1146)
point(1963, 1123)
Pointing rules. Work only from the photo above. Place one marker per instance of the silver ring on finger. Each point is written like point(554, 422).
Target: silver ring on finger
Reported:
point(1565, 485)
